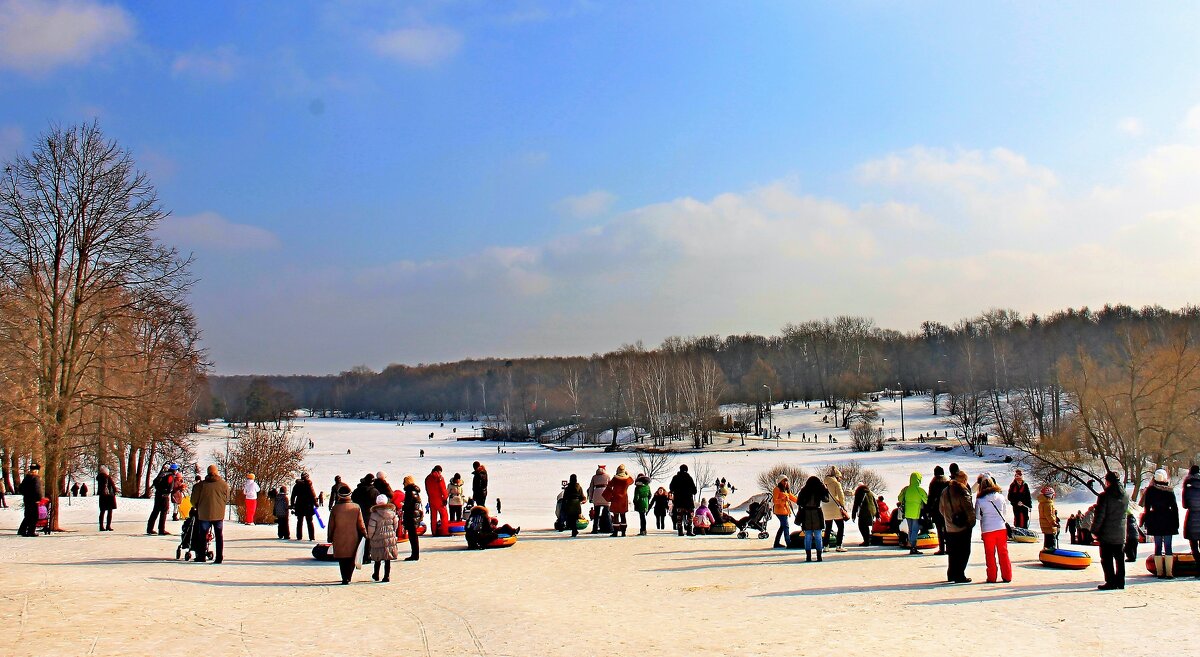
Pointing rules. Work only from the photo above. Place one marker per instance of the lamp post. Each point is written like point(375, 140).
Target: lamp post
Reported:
point(902, 438)
point(935, 395)
point(770, 415)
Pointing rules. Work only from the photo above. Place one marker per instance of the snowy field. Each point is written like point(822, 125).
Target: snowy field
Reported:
point(82, 592)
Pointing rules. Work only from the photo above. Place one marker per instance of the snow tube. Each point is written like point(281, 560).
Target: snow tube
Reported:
point(1018, 535)
point(582, 523)
point(323, 552)
point(927, 541)
point(881, 538)
point(502, 541)
point(1185, 566)
point(458, 527)
point(723, 528)
point(1065, 559)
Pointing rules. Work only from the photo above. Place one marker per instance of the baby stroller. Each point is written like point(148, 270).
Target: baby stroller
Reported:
point(760, 513)
point(188, 539)
point(43, 521)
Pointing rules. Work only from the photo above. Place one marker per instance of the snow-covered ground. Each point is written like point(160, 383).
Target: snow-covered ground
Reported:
point(82, 592)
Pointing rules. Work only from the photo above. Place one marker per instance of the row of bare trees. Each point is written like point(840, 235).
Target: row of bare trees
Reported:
point(100, 360)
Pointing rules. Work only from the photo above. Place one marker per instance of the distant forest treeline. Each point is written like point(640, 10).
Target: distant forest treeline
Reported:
point(998, 372)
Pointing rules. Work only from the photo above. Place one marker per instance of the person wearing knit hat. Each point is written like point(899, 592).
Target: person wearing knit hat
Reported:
point(250, 491)
point(600, 509)
point(383, 530)
point(345, 529)
point(1161, 520)
point(1048, 518)
point(411, 516)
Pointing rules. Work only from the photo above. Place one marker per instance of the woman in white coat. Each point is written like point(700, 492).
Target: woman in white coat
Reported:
point(834, 509)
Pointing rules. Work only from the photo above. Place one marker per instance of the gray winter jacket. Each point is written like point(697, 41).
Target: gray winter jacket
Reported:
point(1112, 506)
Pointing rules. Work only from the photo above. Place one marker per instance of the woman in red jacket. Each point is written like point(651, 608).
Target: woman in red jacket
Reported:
point(617, 496)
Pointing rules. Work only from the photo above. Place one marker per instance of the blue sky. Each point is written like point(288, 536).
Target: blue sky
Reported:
point(367, 183)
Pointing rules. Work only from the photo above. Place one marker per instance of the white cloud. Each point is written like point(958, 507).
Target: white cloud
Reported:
point(39, 36)
point(1130, 125)
point(421, 46)
point(221, 64)
point(586, 206)
point(211, 231)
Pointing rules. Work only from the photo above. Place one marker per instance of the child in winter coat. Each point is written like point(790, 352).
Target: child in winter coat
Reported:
point(703, 518)
point(661, 502)
point(281, 514)
point(1048, 518)
point(382, 532)
point(455, 497)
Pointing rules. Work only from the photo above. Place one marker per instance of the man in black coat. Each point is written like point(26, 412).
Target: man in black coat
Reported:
point(479, 483)
point(1020, 499)
point(1112, 507)
point(936, 487)
point(683, 491)
point(304, 505)
point(32, 493)
point(411, 519)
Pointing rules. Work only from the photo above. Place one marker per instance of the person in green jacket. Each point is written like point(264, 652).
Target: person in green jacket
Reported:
point(913, 499)
point(641, 500)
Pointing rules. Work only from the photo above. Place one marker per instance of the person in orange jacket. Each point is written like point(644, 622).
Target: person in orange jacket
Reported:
point(782, 500)
point(437, 496)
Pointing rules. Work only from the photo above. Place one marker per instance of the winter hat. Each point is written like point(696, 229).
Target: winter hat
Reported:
point(212, 470)
point(35, 468)
point(953, 469)
point(409, 481)
point(104, 469)
point(344, 493)
point(834, 472)
point(938, 471)
point(381, 499)
point(1160, 475)
point(683, 468)
point(1048, 491)
point(621, 470)
point(250, 476)
point(381, 475)
point(1112, 479)
point(600, 469)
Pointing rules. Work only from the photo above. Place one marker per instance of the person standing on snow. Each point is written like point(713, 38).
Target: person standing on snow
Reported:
point(1020, 499)
point(993, 528)
point(1108, 525)
point(616, 494)
point(106, 490)
point(1048, 518)
point(162, 501)
point(32, 492)
point(596, 495)
point(280, 510)
point(958, 515)
point(572, 505)
point(641, 500)
point(1190, 500)
point(250, 491)
point(683, 491)
point(864, 511)
point(1161, 521)
point(782, 500)
point(412, 516)
point(454, 495)
point(304, 505)
point(936, 487)
point(479, 483)
point(912, 500)
point(345, 529)
point(834, 509)
point(382, 531)
point(437, 494)
point(209, 499)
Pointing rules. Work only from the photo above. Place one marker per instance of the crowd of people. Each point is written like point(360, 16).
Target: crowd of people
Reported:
point(381, 517)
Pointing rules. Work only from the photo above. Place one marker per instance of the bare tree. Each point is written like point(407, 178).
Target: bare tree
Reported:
point(273, 456)
point(703, 474)
point(77, 257)
point(655, 463)
point(768, 479)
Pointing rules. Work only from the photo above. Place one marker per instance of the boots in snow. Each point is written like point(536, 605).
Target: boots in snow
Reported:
point(1169, 566)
